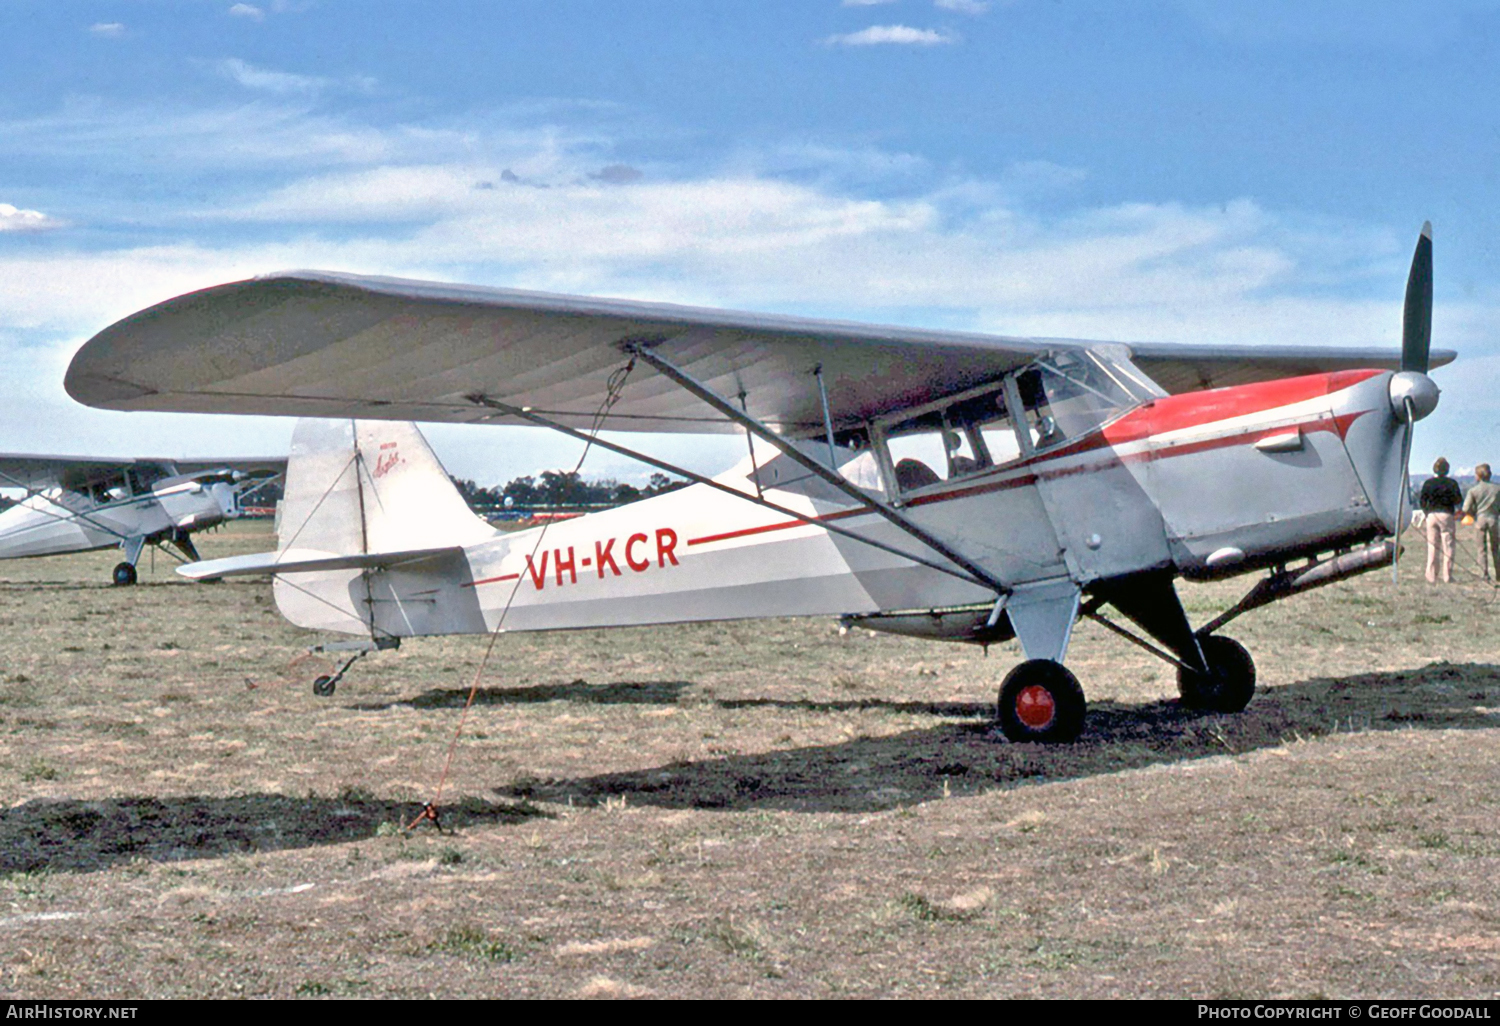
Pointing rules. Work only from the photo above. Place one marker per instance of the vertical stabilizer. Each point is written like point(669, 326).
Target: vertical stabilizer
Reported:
point(356, 487)
point(370, 486)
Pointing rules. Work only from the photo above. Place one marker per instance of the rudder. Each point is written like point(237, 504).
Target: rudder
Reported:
point(355, 487)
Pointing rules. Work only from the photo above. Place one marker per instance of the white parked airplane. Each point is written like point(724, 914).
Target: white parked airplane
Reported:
point(954, 486)
point(81, 503)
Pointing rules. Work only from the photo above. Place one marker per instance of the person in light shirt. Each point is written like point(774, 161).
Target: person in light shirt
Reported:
point(1483, 504)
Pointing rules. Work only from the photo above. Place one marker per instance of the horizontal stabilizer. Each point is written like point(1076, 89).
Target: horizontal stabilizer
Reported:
point(300, 561)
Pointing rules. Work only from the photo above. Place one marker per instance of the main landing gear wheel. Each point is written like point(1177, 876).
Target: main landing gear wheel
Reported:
point(324, 686)
point(1230, 681)
point(1041, 701)
point(124, 575)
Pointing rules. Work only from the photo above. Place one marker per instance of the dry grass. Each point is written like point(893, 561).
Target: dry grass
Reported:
point(761, 809)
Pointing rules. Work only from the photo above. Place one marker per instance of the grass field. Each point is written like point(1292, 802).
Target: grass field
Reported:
point(746, 809)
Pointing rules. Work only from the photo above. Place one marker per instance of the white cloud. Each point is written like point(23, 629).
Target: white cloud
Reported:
point(963, 253)
point(262, 134)
point(14, 219)
point(280, 82)
point(975, 7)
point(903, 35)
point(285, 83)
point(107, 28)
point(247, 11)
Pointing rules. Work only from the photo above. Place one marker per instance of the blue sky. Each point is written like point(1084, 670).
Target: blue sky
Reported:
point(1183, 170)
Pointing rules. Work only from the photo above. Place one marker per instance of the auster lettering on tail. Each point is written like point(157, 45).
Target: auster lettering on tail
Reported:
point(385, 462)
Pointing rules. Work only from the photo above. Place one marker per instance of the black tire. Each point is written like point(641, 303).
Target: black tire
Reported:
point(324, 686)
point(124, 575)
point(1230, 682)
point(1041, 701)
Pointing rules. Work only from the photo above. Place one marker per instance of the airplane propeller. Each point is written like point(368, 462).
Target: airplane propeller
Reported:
point(1413, 394)
point(1416, 317)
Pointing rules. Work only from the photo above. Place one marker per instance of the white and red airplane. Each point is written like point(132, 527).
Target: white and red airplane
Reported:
point(954, 486)
point(82, 503)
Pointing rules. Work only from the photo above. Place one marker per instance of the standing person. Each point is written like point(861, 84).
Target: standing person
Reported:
point(1483, 504)
point(1440, 500)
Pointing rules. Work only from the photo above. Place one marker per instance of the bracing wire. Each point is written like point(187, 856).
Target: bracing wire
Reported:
point(613, 388)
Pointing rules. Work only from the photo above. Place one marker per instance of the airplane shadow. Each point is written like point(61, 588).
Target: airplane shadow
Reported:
point(31, 587)
point(656, 692)
point(51, 835)
point(873, 773)
point(650, 692)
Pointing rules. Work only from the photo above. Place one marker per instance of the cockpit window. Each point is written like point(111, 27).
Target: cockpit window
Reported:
point(967, 435)
point(143, 475)
point(1055, 399)
point(1067, 395)
point(109, 487)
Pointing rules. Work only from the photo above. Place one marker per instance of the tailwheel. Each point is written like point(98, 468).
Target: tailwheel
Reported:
point(124, 575)
point(325, 685)
point(1041, 701)
point(1230, 681)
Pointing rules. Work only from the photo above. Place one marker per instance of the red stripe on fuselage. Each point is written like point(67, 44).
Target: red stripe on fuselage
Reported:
point(1195, 409)
point(492, 580)
point(780, 526)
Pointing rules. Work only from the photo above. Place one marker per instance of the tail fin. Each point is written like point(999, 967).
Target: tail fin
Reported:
point(369, 486)
point(357, 488)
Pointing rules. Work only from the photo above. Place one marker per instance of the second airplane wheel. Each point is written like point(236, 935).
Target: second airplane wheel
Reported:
point(1041, 701)
point(1230, 681)
point(124, 575)
point(324, 686)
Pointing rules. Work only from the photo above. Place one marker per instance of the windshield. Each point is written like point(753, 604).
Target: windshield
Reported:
point(1066, 395)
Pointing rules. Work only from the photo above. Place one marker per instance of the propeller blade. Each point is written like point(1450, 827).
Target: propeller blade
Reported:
point(1416, 320)
point(1405, 486)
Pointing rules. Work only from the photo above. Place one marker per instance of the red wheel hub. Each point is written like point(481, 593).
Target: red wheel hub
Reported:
point(1035, 707)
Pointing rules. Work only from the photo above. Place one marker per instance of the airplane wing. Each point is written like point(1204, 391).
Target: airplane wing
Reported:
point(330, 345)
point(35, 473)
point(1188, 368)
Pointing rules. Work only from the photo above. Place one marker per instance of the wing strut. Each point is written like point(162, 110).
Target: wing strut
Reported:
point(538, 419)
point(718, 402)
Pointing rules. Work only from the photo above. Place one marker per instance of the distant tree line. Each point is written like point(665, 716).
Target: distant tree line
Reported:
point(561, 489)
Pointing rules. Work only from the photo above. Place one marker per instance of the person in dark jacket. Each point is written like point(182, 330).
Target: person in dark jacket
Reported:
point(1440, 499)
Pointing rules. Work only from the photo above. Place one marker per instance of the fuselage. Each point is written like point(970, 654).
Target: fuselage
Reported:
point(1200, 484)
